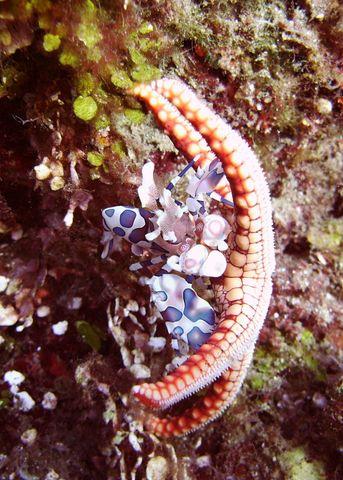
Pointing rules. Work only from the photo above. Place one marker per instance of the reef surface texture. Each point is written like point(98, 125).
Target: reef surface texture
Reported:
point(77, 332)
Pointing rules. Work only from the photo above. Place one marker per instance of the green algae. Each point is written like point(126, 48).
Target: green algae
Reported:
point(5, 37)
point(268, 365)
point(257, 382)
point(102, 121)
point(118, 148)
point(44, 22)
point(139, 41)
point(147, 45)
point(266, 368)
point(94, 54)
point(121, 79)
point(103, 97)
point(134, 115)
point(89, 34)
point(307, 338)
point(146, 28)
point(86, 83)
point(145, 73)
point(41, 6)
point(96, 159)
point(69, 57)
point(88, 31)
point(51, 42)
point(298, 467)
point(136, 56)
point(90, 334)
point(327, 236)
point(89, 8)
point(85, 108)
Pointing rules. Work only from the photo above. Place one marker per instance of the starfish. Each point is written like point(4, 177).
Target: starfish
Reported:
point(243, 293)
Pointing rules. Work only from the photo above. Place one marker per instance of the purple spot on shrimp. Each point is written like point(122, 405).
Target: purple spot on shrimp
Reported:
point(171, 314)
point(192, 310)
point(196, 338)
point(145, 213)
point(109, 212)
point(213, 163)
point(202, 209)
point(138, 234)
point(178, 331)
point(127, 218)
point(119, 231)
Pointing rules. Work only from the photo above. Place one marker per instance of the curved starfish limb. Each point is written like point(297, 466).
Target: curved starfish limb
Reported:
point(183, 134)
point(220, 396)
point(245, 288)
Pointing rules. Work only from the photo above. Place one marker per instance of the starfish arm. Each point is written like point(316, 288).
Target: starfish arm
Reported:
point(243, 292)
point(240, 164)
point(220, 396)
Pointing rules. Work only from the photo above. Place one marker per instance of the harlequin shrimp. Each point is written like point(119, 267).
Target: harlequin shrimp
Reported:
point(190, 242)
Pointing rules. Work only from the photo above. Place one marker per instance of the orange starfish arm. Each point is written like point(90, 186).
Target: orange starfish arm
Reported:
point(244, 291)
point(220, 396)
